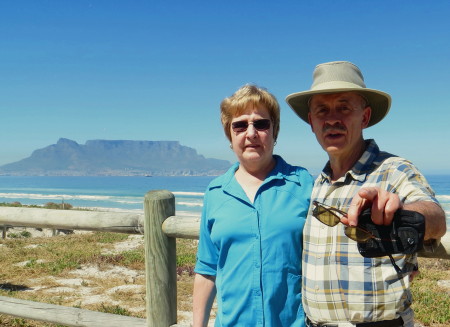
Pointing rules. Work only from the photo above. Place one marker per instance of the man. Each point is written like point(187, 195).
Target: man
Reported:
point(340, 286)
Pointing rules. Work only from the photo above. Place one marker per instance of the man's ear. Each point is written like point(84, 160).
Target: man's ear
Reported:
point(366, 116)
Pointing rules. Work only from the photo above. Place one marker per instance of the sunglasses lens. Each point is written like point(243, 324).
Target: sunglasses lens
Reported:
point(239, 126)
point(328, 216)
point(325, 216)
point(262, 124)
point(357, 234)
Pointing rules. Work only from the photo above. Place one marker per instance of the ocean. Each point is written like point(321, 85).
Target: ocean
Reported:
point(112, 192)
point(127, 193)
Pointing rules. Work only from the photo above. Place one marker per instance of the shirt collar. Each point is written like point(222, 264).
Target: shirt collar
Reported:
point(280, 171)
point(360, 169)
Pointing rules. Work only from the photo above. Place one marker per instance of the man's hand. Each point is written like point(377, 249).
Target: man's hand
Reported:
point(384, 205)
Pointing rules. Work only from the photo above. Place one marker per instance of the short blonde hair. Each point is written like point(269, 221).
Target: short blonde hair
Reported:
point(236, 104)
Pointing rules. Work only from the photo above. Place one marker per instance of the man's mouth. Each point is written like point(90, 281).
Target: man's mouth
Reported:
point(333, 135)
point(334, 132)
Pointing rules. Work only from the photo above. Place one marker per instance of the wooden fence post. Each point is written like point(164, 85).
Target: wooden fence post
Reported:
point(160, 260)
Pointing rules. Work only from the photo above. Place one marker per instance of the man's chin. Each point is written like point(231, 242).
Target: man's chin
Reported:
point(332, 149)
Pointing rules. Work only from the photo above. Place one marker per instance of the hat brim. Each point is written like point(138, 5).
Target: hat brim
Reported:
point(379, 101)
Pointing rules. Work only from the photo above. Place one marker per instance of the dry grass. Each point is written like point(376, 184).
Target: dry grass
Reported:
point(431, 292)
point(105, 272)
point(95, 271)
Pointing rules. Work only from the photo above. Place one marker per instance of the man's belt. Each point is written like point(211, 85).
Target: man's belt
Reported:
point(384, 323)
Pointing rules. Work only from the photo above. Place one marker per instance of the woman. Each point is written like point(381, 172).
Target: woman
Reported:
point(250, 243)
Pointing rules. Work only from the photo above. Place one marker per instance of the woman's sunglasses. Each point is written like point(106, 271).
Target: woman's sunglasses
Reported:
point(242, 125)
point(330, 217)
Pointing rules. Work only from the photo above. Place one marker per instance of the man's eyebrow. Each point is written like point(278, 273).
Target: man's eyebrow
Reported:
point(318, 106)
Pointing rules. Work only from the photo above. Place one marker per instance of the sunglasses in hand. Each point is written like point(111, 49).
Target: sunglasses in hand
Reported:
point(242, 125)
point(331, 216)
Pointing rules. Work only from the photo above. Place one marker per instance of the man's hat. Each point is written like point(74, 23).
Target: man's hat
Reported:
point(335, 77)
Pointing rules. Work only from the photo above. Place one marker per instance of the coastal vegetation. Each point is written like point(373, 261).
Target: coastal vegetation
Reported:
point(105, 272)
point(48, 205)
point(30, 267)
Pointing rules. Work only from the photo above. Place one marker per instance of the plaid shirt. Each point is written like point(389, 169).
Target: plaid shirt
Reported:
point(339, 285)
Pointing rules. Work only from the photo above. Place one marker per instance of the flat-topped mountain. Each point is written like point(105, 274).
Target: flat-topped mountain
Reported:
point(115, 158)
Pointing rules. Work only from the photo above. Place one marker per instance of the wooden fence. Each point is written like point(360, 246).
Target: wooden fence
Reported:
point(160, 227)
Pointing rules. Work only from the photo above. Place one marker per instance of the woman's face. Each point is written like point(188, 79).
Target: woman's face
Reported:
point(252, 136)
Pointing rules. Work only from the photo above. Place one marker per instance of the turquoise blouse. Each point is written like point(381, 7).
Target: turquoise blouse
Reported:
point(255, 249)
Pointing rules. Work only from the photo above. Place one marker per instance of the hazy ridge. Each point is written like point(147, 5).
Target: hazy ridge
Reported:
point(115, 158)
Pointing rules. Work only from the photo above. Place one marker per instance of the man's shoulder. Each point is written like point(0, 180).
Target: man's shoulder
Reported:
point(373, 158)
point(386, 158)
point(384, 166)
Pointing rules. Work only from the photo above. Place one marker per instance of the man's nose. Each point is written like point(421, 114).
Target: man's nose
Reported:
point(333, 117)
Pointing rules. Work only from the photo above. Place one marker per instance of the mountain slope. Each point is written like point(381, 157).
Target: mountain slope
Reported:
point(121, 157)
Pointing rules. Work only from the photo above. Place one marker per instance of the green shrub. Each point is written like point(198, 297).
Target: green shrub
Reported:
point(53, 205)
point(114, 309)
point(106, 237)
point(25, 234)
point(133, 256)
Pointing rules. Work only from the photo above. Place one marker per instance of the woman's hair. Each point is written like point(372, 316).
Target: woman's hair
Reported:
point(236, 105)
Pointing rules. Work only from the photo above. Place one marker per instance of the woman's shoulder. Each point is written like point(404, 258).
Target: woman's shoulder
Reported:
point(289, 169)
point(223, 179)
point(216, 182)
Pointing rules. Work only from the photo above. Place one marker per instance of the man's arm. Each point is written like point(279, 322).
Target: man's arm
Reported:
point(203, 298)
point(435, 225)
point(385, 204)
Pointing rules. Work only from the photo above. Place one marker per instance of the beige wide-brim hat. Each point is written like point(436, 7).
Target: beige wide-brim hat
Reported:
point(335, 77)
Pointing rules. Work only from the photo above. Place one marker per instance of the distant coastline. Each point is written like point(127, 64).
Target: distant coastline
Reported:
point(112, 174)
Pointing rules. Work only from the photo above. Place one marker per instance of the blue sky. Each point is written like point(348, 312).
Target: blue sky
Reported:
point(157, 70)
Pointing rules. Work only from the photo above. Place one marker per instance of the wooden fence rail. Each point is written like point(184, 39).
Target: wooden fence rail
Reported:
point(160, 261)
point(66, 316)
point(118, 222)
point(160, 227)
point(188, 227)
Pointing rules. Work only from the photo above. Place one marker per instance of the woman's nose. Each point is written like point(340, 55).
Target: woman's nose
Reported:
point(251, 131)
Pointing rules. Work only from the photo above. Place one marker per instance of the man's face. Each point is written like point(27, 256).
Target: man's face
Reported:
point(337, 120)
